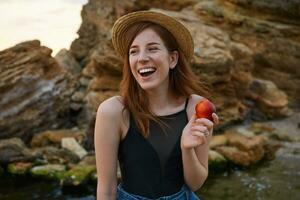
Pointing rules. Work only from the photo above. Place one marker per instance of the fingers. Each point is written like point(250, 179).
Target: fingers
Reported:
point(202, 129)
point(205, 133)
point(204, 122)
point(215, 118)
point(203, 125)
point(200, 134)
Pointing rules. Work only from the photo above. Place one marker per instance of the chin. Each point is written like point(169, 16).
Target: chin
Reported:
point(144, 87)
point(148, 86)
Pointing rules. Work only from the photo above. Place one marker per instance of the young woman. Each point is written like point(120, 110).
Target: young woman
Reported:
point(151, 128)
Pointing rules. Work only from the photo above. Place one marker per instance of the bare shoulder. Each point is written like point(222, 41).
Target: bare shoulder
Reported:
point(112, 112)
point(193, 100)
point(111, 107)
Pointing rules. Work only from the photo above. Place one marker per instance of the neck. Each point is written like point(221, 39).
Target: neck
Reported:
point(159, 97)
point(163, 102)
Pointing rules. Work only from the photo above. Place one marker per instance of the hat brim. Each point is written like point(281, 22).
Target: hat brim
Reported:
point(177, 29)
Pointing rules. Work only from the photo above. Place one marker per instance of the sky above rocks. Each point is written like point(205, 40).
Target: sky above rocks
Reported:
point(54, 22)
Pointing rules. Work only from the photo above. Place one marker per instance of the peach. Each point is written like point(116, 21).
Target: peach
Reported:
point(205, 109)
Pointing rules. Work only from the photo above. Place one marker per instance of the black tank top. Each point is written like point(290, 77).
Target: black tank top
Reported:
point(152, 167)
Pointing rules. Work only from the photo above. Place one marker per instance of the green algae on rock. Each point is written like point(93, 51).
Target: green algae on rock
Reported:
point(216, 161)
point(50, 171)
point(19, 168)
point(77, 175)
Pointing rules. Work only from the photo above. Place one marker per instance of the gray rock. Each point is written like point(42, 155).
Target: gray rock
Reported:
point(14, 150)
point(71, 144)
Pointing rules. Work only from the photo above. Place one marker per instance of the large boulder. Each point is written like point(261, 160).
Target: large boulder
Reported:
point(234, 155)
point(243, 147)
point(269, 99)
point(34, 91)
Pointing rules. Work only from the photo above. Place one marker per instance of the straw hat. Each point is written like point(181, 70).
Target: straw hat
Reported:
point(177, 29)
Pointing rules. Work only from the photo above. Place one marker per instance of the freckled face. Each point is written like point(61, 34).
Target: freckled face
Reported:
point(150, 60)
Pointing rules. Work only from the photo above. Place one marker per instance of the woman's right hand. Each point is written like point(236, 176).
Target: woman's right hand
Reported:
point(196, 132)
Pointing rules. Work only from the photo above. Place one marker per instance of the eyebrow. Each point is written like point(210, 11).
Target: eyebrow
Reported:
point(149, 44)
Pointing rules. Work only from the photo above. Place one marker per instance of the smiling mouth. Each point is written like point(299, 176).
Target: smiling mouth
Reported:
point(146, 71)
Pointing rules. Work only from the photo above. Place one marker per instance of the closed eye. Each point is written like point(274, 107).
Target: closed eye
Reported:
point(132, 52)
point(153, 49)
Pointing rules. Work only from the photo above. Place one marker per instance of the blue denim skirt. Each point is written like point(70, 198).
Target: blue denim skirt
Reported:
point(184, 194)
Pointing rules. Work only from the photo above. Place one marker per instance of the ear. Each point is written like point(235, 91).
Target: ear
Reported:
point(173, 59)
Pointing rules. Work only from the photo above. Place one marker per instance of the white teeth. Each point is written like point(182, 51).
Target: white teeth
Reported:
point(145, 70)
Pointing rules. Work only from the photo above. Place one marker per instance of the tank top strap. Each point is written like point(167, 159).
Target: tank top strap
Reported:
point(131, 120)
point(186, 103)
point(132, 123)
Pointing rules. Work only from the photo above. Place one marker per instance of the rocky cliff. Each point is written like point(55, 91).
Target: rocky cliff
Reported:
point(247, 51)
point(34, 91)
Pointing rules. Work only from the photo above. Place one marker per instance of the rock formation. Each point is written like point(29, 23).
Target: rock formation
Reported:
point(34, 91)
point(233, 46)
point(246, 51)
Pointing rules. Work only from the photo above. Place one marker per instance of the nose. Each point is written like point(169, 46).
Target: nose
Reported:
point(143, 57)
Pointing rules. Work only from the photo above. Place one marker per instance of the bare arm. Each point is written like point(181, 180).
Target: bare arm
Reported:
point(107, 138)
point(195, 147)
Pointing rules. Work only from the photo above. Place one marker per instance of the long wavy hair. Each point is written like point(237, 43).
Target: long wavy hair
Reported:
point(182, 81)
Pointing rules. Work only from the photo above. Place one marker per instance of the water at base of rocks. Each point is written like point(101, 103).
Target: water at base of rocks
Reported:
point(34, 189)
point(270, 180)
